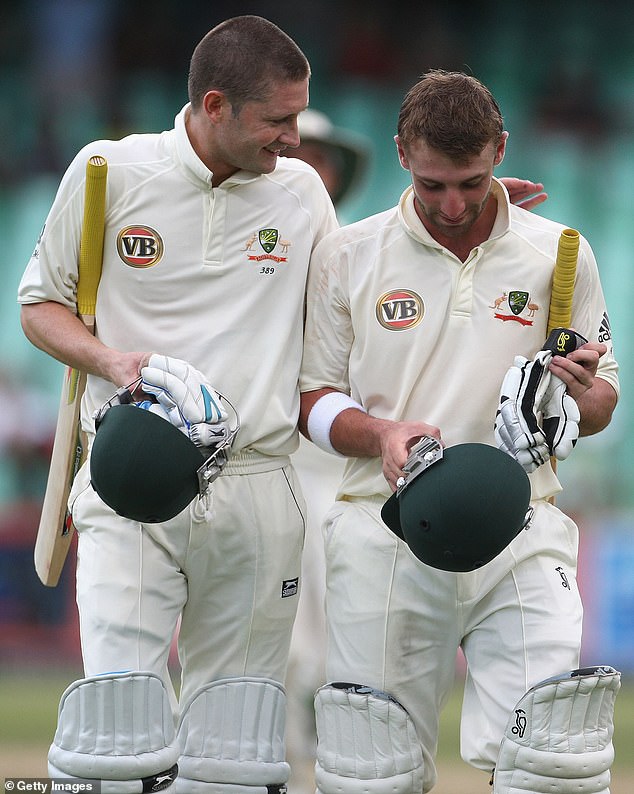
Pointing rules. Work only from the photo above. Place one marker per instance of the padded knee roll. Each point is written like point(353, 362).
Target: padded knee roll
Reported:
point(367, 743)
point(117, 728)
point(232, 739)
point(559, 737)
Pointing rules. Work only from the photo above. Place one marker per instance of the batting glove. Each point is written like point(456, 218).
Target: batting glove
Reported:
point(190, 402)
point(517, 430)
point(560, 419)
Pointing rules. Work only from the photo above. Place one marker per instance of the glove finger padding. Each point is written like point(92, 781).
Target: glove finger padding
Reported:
point(191, 404)
point(517, 430)
point(181, 388)
point(530, 451)
point(560, 420)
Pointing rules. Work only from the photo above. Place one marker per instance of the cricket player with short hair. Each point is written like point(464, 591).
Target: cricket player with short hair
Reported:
point(208, 236)
point(415, 318)
point(343, 159)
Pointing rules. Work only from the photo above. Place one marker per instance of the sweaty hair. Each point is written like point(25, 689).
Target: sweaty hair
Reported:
point(244, 57)
point(452, 112)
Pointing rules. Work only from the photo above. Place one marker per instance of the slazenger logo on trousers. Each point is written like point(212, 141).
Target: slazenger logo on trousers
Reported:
point(399, 309)
point(139, 246)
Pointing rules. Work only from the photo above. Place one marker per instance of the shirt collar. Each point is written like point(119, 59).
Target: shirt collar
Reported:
point(502, 222)
point(194, 167)
point(409, 217)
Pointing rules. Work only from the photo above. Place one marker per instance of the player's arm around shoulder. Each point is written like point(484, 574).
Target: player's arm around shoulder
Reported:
point(338, 424)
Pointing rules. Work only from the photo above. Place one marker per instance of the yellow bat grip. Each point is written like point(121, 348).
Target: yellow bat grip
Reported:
point(91, 245)
point(560, 312)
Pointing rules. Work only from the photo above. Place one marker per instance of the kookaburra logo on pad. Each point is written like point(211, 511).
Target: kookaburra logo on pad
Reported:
point(519, 729)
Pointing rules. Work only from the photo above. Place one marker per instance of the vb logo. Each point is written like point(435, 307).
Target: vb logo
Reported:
point(139, 246)
point(399, 310)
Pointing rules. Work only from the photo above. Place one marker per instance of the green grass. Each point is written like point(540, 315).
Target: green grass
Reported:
point(29, 706)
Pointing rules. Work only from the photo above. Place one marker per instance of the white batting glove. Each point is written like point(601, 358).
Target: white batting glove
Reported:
point(190, 402)
point(206, 435)
point(560, 419)
point(202, 434)
point(517, 430)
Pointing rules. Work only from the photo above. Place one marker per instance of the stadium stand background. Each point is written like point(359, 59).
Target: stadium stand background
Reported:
point(76, 70)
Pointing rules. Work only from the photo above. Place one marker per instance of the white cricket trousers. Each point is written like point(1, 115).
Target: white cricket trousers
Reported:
point(395, 624)
point(228, 566)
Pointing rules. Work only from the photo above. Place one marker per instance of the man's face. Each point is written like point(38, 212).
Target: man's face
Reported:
point(254, 138)
point(449, 196)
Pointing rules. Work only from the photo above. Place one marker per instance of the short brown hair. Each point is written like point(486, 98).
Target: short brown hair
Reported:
point(243, 57)
point(453, 112)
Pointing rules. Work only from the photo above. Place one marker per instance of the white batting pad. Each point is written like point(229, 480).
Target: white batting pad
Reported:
point(117, 728)
point(559, 738)
point(232, 737)
point(367, 743)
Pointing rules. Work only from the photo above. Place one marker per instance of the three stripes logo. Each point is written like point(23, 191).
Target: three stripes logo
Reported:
point(605, 331)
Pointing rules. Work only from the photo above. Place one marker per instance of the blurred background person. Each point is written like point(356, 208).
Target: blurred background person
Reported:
point(340, 156)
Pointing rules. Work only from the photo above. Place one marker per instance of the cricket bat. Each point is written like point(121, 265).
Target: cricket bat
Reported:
point(560, 309)
point(55, 531)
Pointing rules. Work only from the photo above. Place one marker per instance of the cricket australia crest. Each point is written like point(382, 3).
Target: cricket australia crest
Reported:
point(515, 305)
point(269, 240)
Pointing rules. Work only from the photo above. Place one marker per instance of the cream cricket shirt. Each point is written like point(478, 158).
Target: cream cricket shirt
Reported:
point(412, 333)
point(215, 276)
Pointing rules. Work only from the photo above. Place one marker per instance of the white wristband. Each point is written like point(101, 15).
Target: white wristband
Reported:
point(323, 414)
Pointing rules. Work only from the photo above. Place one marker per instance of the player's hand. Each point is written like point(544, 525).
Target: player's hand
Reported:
point(578, 369)
point(524, 193)
point(517, 430)
point(396, 442)
point(123, 369)
point(189, 401)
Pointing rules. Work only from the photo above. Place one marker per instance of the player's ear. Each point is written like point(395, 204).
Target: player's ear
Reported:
point(214, 103)
point(402, 157)
point(501, 148)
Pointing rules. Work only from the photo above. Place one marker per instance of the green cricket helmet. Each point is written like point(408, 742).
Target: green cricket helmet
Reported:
point(458, 508)
point(145, 468)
